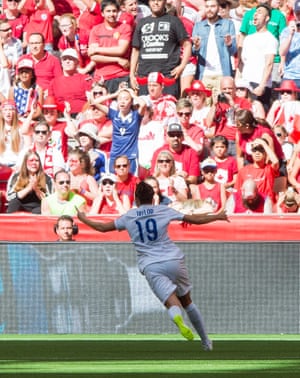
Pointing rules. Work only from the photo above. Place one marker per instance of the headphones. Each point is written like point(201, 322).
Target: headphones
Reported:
point(75, 229)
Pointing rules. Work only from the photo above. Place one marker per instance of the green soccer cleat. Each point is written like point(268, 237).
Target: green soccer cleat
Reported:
point(183, 328)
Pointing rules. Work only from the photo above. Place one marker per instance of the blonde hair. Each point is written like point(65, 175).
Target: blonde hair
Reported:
point(167, 154)
point(15, 140)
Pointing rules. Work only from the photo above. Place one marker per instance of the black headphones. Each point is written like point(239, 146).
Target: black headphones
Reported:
point(68, 218)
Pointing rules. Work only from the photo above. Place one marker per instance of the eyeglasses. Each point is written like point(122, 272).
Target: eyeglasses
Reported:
point(278, 134)
point(258, 149)
point(64, 182)
point(44, 132)
point(286, 92)
point(107, 182)
point(175, 135)
point(121, 165)
point(36, 43)
point(186, 114)
point(96, 93)
point(241, 89)
point(6, 30)
point(11, 1)
point(160, 161)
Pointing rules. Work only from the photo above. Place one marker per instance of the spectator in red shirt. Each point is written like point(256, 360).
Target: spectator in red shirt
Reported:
point(40, 18)
point(46, 65)
point(126, 181)
point(186, 159)
point(109, 47)
point(71, 86)
point(193, 135)
point(16, 19)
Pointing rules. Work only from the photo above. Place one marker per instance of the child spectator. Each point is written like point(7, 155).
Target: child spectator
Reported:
point(226, 165)
point(209, 190)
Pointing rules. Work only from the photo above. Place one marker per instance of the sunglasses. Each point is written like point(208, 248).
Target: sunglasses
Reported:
point(286, 92)
point(258, 149)
point(278, 134)
point(164, 161)
point(186, 114)
point(44, 132)
point(241, 89)
point(107, 182)
point(5, 30)
point(121, 165)
point(64, 182)
point(175, 135)
point(95, 93)
point(209, 170)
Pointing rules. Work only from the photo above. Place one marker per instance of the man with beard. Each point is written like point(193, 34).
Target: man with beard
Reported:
point(214, 44)
point(186, 159)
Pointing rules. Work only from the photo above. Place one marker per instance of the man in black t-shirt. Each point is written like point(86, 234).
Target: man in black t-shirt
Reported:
point(156, 45)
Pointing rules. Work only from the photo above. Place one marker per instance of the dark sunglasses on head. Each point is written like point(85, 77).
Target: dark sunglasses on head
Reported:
point(164, 160)
point(187, 114)
point(107, 182)
point(44, 132)
point(64, 182)
point(121, 165)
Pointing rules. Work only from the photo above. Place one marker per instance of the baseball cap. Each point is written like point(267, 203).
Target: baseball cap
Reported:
point(174, 128)
point(70, 53)
point(108, 176)
point(25, 63)
point(209, 162)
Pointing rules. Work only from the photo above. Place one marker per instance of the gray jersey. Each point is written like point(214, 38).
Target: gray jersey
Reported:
point(147, 226)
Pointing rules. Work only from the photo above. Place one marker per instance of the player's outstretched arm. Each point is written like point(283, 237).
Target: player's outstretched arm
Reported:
point(98, 226)
point(205, 218)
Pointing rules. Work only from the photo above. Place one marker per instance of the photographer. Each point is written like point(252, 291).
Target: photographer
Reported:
point(221, 117)
point(289, 48)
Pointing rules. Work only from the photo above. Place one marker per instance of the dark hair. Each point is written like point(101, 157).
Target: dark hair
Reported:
point(83, 157)
point(246, 117)
point(266, 6)
point(219, 138)
point(105, 3)
point(144, 193)
point(42, 123)
point(59, 172)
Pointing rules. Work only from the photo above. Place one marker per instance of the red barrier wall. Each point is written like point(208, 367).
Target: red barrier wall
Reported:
point(27, 227)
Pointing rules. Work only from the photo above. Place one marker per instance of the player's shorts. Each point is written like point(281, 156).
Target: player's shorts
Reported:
point(189, 70)
point(167, 277)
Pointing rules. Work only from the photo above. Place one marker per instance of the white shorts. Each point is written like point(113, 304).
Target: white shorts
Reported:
point(189, 70)
point(167, 277)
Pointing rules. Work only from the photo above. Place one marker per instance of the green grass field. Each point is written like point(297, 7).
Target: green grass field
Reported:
point(148, 356)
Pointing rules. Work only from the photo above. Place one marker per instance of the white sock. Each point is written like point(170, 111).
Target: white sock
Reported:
point(197, 321)
point(173, 311)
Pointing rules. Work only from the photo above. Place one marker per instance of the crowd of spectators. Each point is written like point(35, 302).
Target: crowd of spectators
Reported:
point(200, 98)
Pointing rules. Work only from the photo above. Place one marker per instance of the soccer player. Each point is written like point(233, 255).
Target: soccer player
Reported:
point(159, 259)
